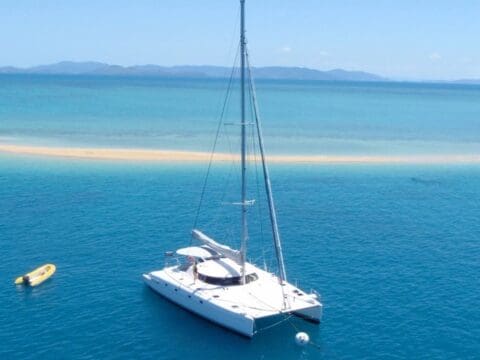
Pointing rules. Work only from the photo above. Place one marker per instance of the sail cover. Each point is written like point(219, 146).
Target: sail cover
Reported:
point(222, 249)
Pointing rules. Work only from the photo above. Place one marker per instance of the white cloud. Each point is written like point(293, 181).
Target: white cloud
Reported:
point(286, 49)
point(324, 53)
point(435, 56)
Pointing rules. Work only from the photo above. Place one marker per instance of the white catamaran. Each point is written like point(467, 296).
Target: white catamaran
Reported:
point(217, 282)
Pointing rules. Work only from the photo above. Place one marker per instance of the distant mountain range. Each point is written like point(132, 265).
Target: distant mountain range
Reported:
point(207, 71)
point(468, 81)
point(269, 72)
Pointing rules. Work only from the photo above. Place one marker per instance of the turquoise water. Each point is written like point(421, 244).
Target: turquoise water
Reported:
point(394, 251)
point(299, 117)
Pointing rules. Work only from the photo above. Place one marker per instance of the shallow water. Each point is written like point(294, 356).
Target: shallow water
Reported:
point(393, 250)
point(300, 117)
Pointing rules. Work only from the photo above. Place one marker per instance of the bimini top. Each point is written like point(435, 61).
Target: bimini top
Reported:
point(200, 252)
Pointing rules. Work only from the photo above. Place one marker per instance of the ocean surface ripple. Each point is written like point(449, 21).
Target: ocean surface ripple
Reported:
point(394, 251)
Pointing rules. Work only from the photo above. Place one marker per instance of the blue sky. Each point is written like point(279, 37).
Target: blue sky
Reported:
point(399, 39)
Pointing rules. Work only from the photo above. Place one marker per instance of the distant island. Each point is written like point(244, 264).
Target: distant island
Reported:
point(209, 71)
point(200, 71)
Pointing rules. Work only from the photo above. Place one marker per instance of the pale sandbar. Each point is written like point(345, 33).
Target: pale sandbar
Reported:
point(194, 156)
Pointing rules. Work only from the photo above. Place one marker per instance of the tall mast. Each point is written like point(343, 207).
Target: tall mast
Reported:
point(268, 186)
point(243, 130)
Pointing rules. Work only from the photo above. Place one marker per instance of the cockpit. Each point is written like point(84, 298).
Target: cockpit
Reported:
point(212, 267)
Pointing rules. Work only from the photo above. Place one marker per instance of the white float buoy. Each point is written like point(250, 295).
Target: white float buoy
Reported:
point(302, 339)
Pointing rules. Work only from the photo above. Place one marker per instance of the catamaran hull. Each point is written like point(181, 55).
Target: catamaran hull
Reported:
point(241, 324)
point(313, 314)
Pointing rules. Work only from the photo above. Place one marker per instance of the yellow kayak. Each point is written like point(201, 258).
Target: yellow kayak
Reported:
point(37, 276)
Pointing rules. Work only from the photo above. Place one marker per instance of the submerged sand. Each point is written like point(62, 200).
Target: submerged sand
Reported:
point(194, 156)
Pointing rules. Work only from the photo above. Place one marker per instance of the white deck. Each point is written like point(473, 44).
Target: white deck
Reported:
point(258, 299)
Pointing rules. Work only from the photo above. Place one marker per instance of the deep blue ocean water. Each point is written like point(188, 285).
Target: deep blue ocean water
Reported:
point(394, 251)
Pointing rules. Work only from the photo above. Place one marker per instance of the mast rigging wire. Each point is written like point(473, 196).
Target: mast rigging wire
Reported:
point(220, 121)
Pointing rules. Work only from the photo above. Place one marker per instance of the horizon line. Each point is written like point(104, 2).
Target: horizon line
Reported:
point(466, 80)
